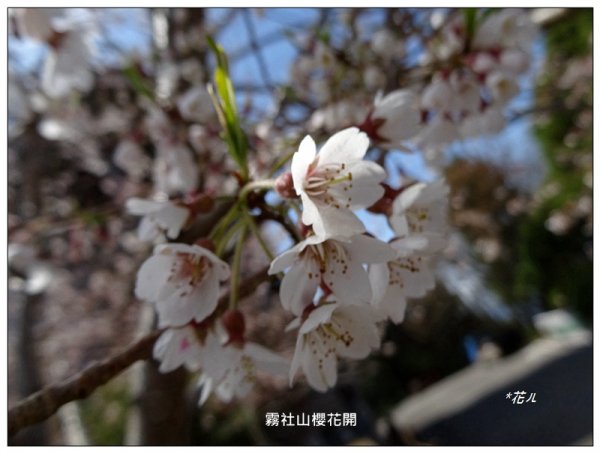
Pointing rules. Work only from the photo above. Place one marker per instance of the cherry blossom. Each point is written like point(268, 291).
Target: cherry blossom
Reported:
point(331, 330)
point(398, 279)
point(439, 131)
point(335, 182)
point(195, 105)
point(335, 263)
point(130, 157)
point(373, 78)
point(231, 364)
point(176, 347)
point(67, 65)
point(233, 371)
point(490, 121)
point(395, 118)
point(509, 27)
point(384, 43)
point(174, 169)
point(37, 22)
point(159, 217)
point(420, 210)
point(183, 281)
point(502, 85)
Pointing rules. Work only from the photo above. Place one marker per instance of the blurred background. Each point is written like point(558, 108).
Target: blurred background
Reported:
point(512, 311)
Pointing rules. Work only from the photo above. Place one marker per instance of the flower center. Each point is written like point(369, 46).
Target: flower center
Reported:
point(400, 266)
point(327, 255)
point(417, 219)
point(320, 178)
point(338, 333)
point(192, 268)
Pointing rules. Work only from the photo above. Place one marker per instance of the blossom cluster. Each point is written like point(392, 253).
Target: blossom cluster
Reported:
point(70, 45)
point(477, 78)
point(472, 80)
point(341, 282)
point(182, 281)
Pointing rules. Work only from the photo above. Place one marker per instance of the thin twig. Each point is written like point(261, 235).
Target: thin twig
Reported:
point(41, 405)
point(262, 65)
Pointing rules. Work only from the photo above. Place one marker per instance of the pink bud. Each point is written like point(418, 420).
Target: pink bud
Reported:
point(206, 243)
point(284, 185)
point(234, 323)
point(199, 203)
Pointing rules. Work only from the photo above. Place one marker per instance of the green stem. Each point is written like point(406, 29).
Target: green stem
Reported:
point(217, 231)
point(255, 185)
point(236, 267)
point(226, 237)
point(256, 231)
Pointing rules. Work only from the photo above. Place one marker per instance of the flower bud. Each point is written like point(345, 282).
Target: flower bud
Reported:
point(384, 204)
point(206, 243)
point(233, 321)
point(284, 185)
point(199, 203)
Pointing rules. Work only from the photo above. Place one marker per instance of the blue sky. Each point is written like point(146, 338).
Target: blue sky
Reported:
point(129, 29)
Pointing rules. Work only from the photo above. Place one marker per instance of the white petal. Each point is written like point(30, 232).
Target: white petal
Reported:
point(407, 198)
point(314, 374)
point(171, 218)
point(285, 260)
point(310, 212)
point(364, 189)
point(418, 281)
point(408, 245)
point(267, 360)
point(186, 303)
point(337, 222)
point(393, 304)
point(346, 146)
point(297, 359)
point(206, 383)
point(397, 312)
point(359, 320)
point(139, 206)
point(301, 161)
point(207, 294)
point(379, 277)
point(319, 315)
point(294, 324)
point(219, 267)
point(348, 281)
point(399, 224)
point(152, 276)
point(299, 285)
point(366, 250)
point(148, 230)
point(176, 347)
point(402, 117)
point(174, 247)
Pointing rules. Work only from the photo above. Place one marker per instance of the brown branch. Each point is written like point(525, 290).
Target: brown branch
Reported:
point(47, 401)
point(41, 405)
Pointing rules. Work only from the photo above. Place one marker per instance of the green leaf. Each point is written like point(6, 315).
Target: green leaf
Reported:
point(133, 76)
point(226, 107)
point(219, 54)
point(470, 16)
